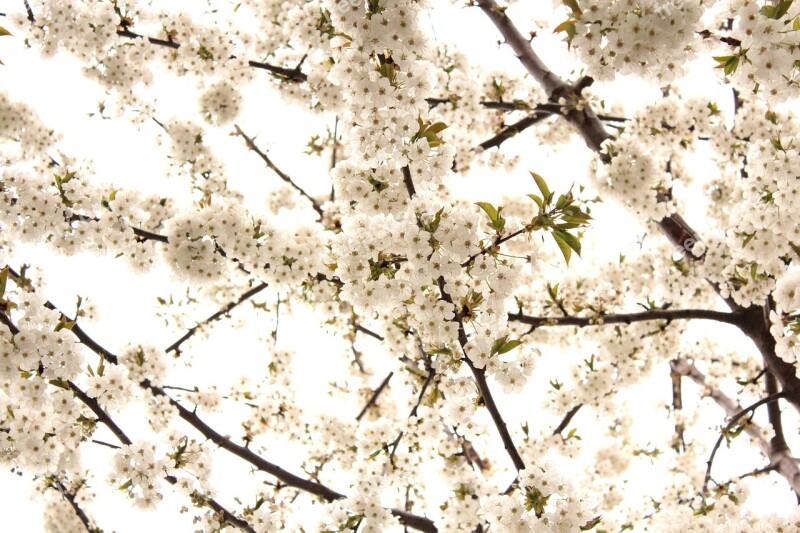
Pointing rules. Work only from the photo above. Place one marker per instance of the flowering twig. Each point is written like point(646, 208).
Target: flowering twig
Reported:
point(479, 374)
point(70, 498)
point(417, 522)
point(288, 74)
point(725, 433)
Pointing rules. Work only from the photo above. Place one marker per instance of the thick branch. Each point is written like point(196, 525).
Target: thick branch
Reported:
point(674, 227)
point(175, 346)
point(628, 318)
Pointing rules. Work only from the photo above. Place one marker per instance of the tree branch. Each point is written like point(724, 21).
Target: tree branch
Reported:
point(724, 433)
point(285, 177)
point(567, 419)
point(175, 346)
point(417, 522)
point(409, 183)
point(374, 396)
point(288, 74)
point(784, 463)
point(673, 226)
point(70, 498)
point(628, 318)
point(479, 375)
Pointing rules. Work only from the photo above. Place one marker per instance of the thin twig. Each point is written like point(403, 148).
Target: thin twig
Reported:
point(285, 177)
point(409, 183)
point(175, 346)
point(374, 396)
point(784, 463)
point(567, 419)
point(59, 486)
point(724, 433)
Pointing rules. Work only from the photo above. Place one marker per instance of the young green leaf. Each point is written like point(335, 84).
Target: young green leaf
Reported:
point(563, 246)
point(542, 186)
point(489, 208)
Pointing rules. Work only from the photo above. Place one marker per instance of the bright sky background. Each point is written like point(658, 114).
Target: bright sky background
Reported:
point(127, 303)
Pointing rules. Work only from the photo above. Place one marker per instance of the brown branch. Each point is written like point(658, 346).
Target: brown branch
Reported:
point(628, 318)
point(674, 227)
point(778, 441)
point(365, 331)
point(374, 396)
point(70, 498)
point(724, 433)
point(784, 463)
point(285, 177)
point(513, 129)
point(418, 522)
point(409, 183)
point(292, 480)
point(29, 12)
point(677, 405)
point(149, 235)
point(567, 419)
point(175, 346)
point(497, 242)
point(479, 375)
point(288, 74)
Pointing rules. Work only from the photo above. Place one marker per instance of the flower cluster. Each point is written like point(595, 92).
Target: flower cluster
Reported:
point(622, 37)
point(764, 54)
point(138, 469)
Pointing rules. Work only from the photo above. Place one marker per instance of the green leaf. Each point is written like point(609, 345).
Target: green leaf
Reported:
point(571, 240)
point(3, 281)
point(796, 24)
point(4, 32)
point(489, 208)
point(537, 199)
point(563, 246)
point(573, 5)
point(542, 186)
point(125, 486)
point(535, 501)
point(777, 12)
point(496, 345)
point(510, 345)
point(728, 64)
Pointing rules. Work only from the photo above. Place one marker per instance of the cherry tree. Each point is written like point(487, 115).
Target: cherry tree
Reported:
point(493, 347)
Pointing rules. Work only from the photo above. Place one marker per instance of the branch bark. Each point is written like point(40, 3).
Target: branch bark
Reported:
point(677, 230)
point(628, 318)
point(784, 463)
